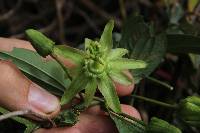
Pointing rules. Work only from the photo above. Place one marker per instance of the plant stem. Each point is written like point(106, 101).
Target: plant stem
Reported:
point(99, 99)
point(94, 103)
point(161, 83)
point(13, 114)
point(94, 98)
point(64, 68)
point(173, 106)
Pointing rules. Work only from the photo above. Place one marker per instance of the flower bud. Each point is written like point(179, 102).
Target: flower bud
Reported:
point(40, 42)
point(189, 110)
point(160, 126)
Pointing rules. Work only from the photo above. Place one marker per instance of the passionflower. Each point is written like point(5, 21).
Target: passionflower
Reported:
point(94, 68)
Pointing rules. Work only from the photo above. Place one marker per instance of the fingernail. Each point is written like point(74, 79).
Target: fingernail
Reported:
point(42, 100)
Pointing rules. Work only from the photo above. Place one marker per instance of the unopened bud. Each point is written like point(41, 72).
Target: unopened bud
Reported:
point(40, 42)
point(189, 110)
point(160, 126)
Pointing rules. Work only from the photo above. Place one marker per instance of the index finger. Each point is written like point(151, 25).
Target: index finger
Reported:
point(7, 44)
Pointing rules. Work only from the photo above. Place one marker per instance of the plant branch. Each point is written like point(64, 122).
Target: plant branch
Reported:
point(88, 20)
point(7, 115)
point(122, 9)
point(13, 114)
point(90, 5)
point(46, 29)
point(11, 12)
point(161, 83)
point(153, 101)
point(59, 7)
point(64, 68)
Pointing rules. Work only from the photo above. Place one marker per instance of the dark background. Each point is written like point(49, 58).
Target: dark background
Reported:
point(70, 21)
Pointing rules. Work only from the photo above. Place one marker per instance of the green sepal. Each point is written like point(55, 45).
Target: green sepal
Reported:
point(72, 55)
point(117, 53)
point(160, 126)
point(106, 37)
point(87, 43)
point(189, 110)
point(40, 42)
point(107, 88)
point(124, 64)
point(193, 99)
point(120, 77)
point(90, 90)
point(77, 84)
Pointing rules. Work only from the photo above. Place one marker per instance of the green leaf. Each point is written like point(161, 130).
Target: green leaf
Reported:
point(77, 84)
point(106, 87)
point(106, 37)
point(30, 126)
point(40, 42)
point(127, 124)
point(142, 44)
point(120, 77)
point(48, 74)
point(133, 29)
point(117, 53)
point(124, 64)
point(160, 126)
point(74, 55)
point(90, 90)
point(179, 43)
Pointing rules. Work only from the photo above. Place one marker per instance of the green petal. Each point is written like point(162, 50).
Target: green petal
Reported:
point(40, 42)
point(106, 37)
point(75, 87)
point(120, 77)
point(90, 90)
point(117, 53)
point(69, 53)
point(106, 87)
point(124, 64)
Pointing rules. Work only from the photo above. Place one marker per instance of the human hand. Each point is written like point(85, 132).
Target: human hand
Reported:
point(19, 93)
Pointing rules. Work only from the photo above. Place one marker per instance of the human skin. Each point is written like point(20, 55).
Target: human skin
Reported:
point(19, 93)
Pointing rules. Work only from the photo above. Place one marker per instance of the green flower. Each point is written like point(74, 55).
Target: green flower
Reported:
point(189, 110)
point(94, 68)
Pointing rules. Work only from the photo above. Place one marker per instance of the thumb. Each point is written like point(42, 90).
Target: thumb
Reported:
point(19, 93)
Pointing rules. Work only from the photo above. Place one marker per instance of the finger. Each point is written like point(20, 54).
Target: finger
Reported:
point(19, 93)
point(92, 122)
point(8, 44)
point(124, 90)
point(127, 109)
point(88, 124)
